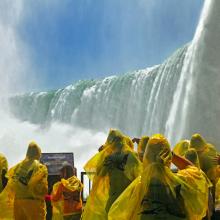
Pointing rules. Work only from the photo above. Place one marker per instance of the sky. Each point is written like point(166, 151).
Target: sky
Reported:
point(50, 44)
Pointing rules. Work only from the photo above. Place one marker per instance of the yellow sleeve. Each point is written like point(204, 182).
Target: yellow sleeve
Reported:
point(38, 184)
point(96, 202)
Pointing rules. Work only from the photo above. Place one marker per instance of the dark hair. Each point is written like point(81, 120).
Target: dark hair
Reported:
point(67, 169)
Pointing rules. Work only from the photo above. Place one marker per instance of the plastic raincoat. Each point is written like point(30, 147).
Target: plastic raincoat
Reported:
point(192, 156)
point(181, 147)
point(25, 191)
point(206, 153)
point(129, 142)
point(66, 198)
point(29, 182)
point(3, 167)
point(7, 203)
point(142, 146)
point(161, 194)
point(217, 199)
point(115, 168)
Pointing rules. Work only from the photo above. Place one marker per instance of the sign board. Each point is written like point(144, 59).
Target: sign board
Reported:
point(54, 161)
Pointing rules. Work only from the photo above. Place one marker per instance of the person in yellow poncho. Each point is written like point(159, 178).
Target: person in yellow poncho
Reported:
point(141, 147)
point(192, 156)
point(66, 195)
point(115, 167)
point(160, 194)
point(181, 147)
point(207, 154)
point(28, 181)
point(3, 171)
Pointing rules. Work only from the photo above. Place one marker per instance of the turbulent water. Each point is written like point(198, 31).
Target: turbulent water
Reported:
point(178, 97)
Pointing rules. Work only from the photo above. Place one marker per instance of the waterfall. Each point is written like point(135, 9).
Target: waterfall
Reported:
point(137, 102)
point(178, 97)
point(195, 107)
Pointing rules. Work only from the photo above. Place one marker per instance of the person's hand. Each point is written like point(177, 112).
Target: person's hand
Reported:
point(164, 156)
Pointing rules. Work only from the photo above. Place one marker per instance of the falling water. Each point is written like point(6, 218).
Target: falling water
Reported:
point(137, 103)
point(195, 107)
point(178, 97)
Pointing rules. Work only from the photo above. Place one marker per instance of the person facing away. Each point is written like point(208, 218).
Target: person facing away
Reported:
point(206, 154)
point(115, 167)
point(181, 147)
point(3, 171)
point(66, 195)
point(192, 156)
point(28, 180)
point(161, 194)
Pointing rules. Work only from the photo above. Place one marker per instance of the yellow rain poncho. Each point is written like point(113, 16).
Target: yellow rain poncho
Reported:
point(16, 196)
point(181, 147)
point(161, 194)
point(3, 168)
point(206, 153)
point(7, 203)
point(66, 198)
point(217, 199)
point(142, 146)
point(28, 183)
point(115, 168)
point(129, 142)
point(192, 156)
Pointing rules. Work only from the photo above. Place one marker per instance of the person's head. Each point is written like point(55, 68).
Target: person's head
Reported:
point(157, 151)
point(33, 151)
point(116, 139)
point(142, 146)
point(197, 142)
point(192, 156)
point(66, 171)
point(181, 147)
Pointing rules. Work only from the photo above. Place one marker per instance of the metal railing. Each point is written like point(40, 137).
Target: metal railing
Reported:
point(87, 185)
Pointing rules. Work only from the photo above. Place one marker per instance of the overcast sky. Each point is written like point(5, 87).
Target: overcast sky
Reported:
point(59, 42)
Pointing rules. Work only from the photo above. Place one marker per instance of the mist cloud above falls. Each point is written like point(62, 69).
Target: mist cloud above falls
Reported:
point(15, 69)
point(17, 75)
